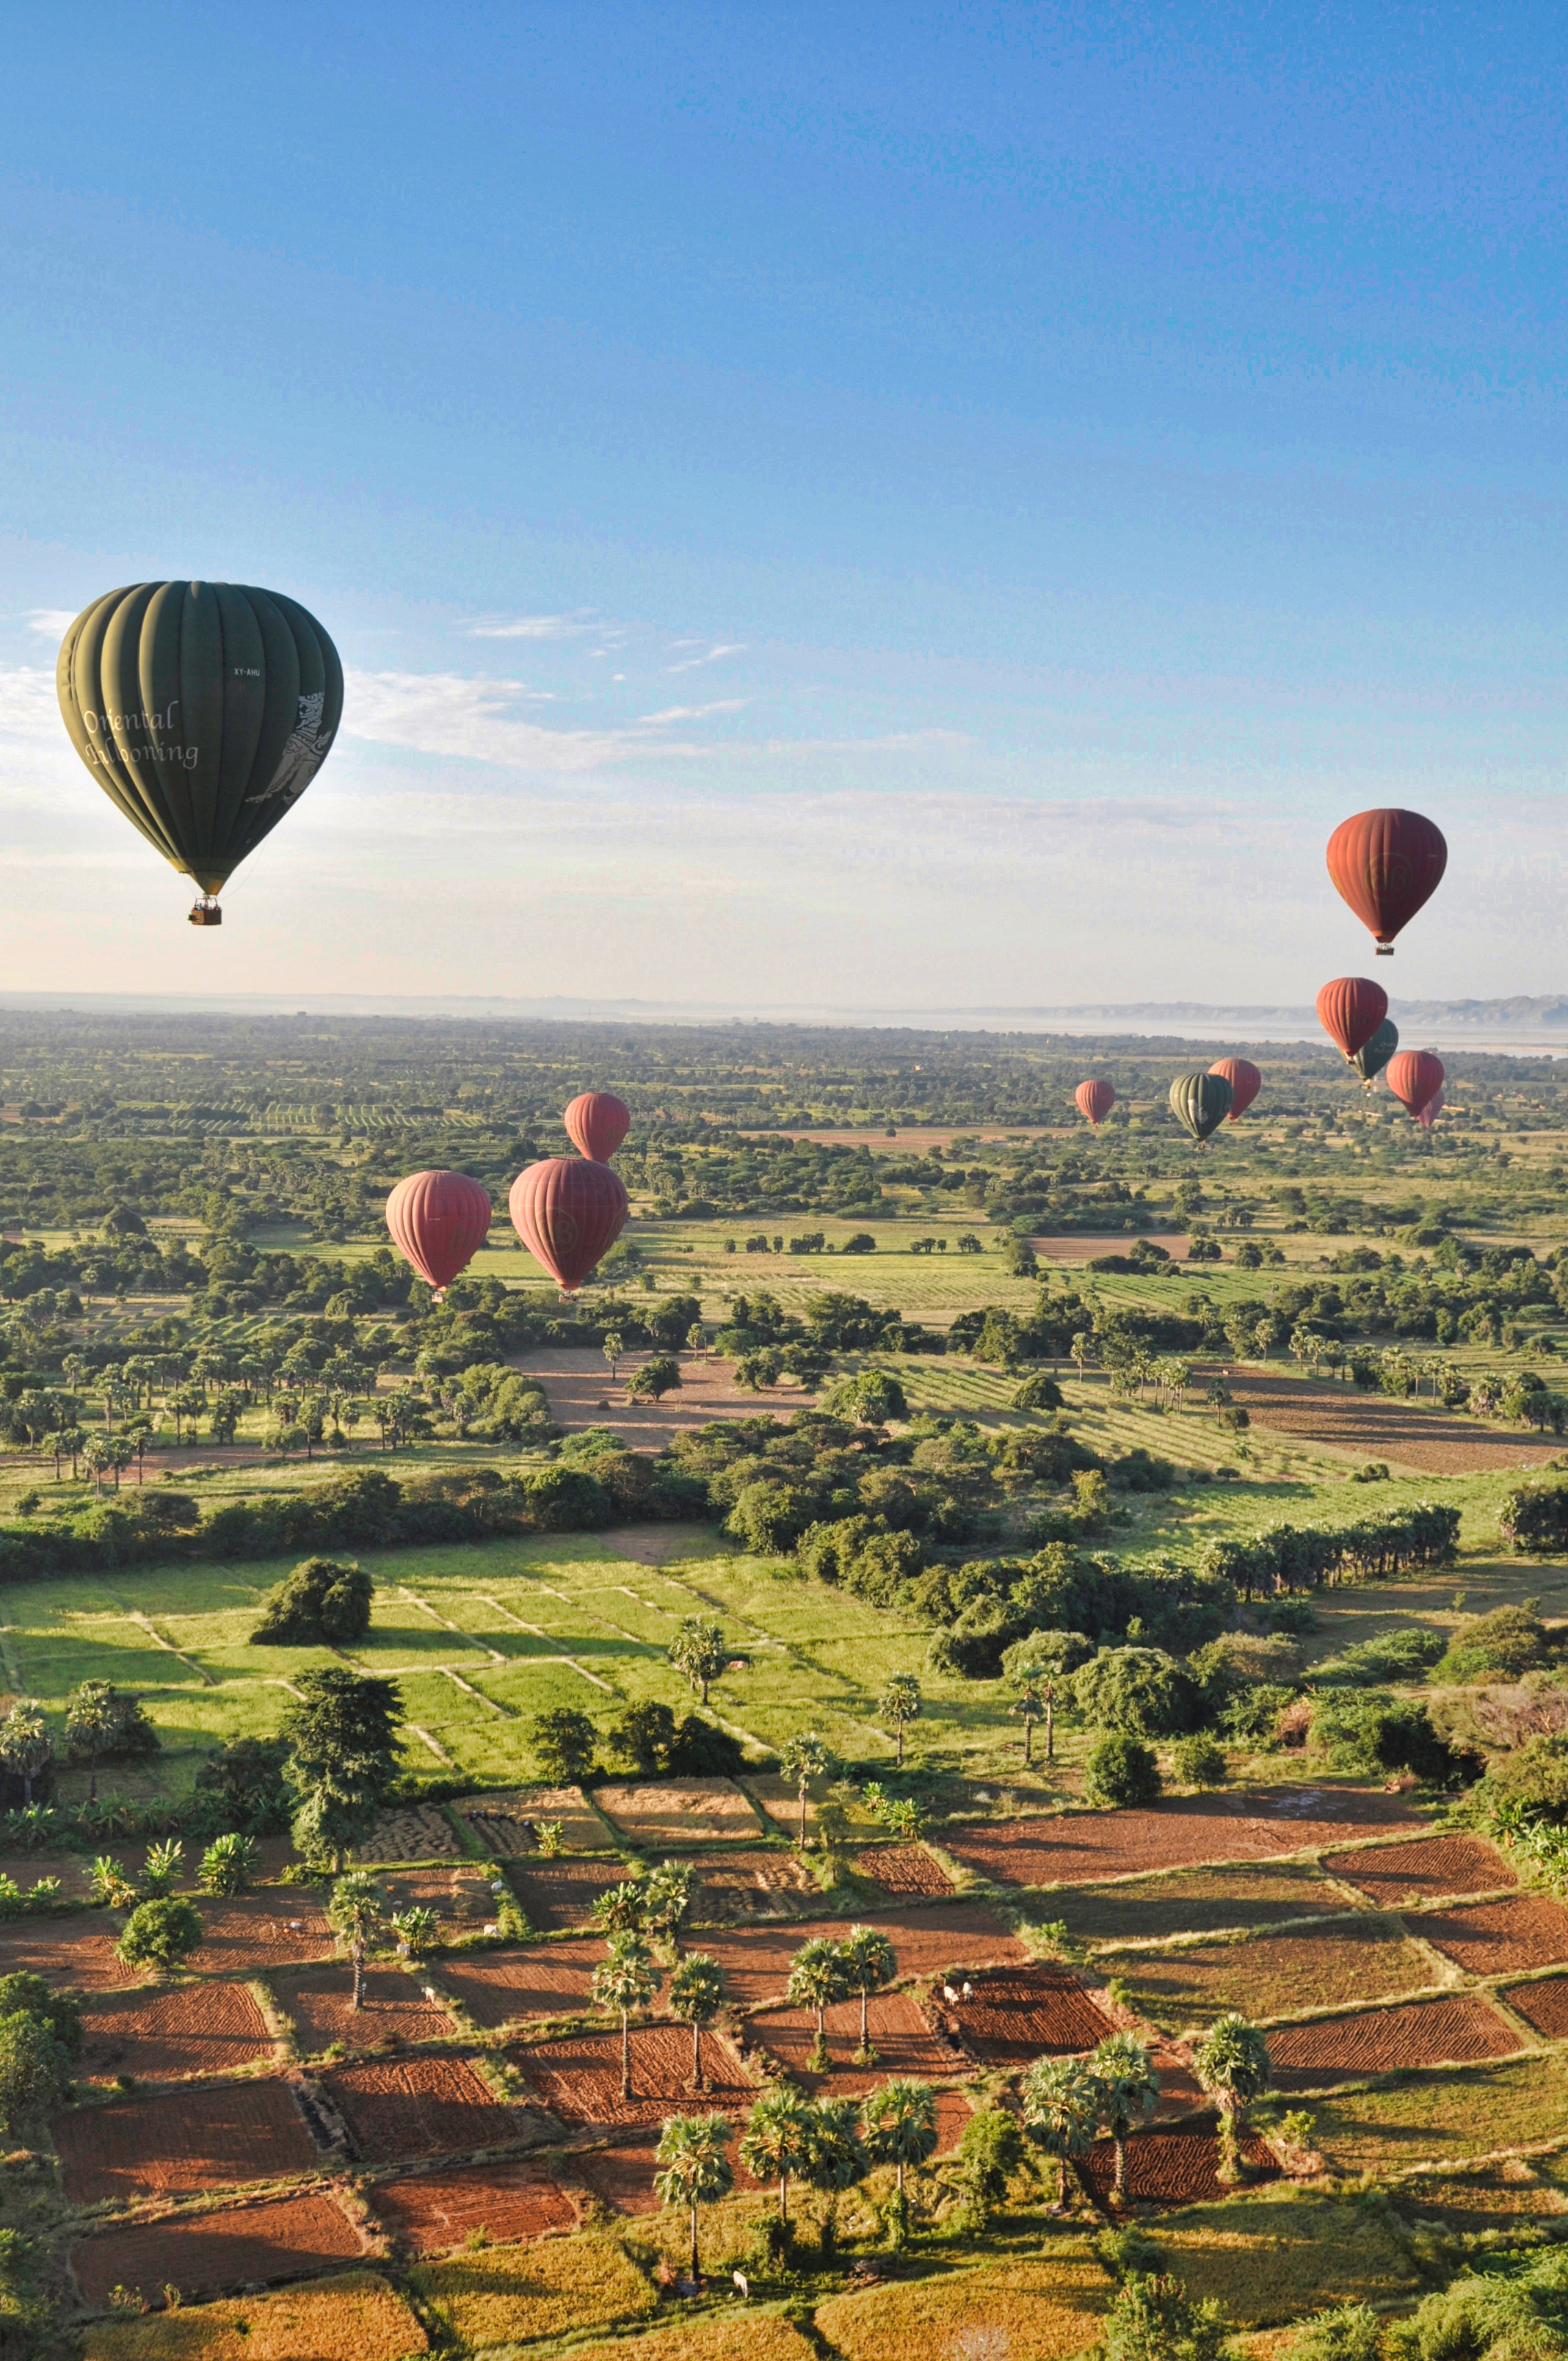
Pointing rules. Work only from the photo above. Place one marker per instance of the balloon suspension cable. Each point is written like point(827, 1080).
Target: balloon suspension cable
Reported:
point(204, 911)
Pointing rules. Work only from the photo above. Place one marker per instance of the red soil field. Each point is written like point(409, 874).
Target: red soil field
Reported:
point(460, 1895)
point(745, 1884)
point(578, 2078)
point(548, 1980)
point(904, 1869)
point(1175, 2166)
point(321, 2002)
point(205, 2254)
point(903, 2040)
point(1076, 1848)
point(1018, 2014)
point(927, 1939)
point(1378, 2040)
point(557, 1895)
point(1391, 1875)
point(398, 2107)
point(253, 1932)
point(180, 2143)
point(1375, 1427)
point(432, 2210)
point(1543, 2005)
point(1488, 1939)
point(79, 1951)
point(158, 2033)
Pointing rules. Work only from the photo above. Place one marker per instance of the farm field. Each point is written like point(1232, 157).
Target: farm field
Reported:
point(1381, 2041)
point(432, 2212)
point(202, 2254)
point(1272, 1975)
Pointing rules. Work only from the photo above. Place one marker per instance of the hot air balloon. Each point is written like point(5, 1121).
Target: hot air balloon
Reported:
point(1244, 1080)
point(203, 711)
point(1094, 1100)
point(568, 1212)
point(439, 1221)
point(1372, 1056)
point(1414, 1076)
point(1350, 1010)
point(1200, 1103)
point(596, 1122)
point(1432, 1109)
point(1386, 864)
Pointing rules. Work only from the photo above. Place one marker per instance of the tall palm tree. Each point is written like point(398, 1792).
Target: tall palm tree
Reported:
point(870, 1964)
point(836, 2159)
point(1061, 2098)
point(776, 2142)
point(900, 1705)
point(356, 1910)
point(625, 1979)
point(1232, 2063)
point(899, 2127)
point(1129, 2090)
point(818, 1976)
point(697, 1995)
point(803, 1759)
point(695, 2169)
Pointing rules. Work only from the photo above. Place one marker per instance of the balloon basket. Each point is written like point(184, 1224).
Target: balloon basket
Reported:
point(206, 913)
point(1384, 950)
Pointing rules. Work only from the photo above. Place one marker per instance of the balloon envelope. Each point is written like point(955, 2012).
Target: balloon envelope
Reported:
point(568, 1212)
point(1350, 1010)
point(1415, 1077)
point(1372, 1056)
point(1386, 864)
point(596, 1122)
point(1200, 1103)
point(203, 711)
point(1432, 1109)
point(439, 1221)
point(1094, 1100)
point(1244, 1080)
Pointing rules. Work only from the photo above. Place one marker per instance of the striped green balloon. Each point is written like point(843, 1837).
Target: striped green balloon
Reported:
point(1372, 1056)
point(1200, 1103)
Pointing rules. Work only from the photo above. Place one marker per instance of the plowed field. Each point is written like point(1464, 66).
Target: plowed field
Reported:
point(1273, 1975)
point(501, 1819)
point(904, 1869)
point(1194, 1902)
point(399, 2107)
point(557, 1895)
point(1488, 1939)
point(1175, 2166)
point(926, 1939)
point(158, 2034)
point(253, 1932)
point(548, 1980)
point(1374, 1426)
point(421, 1832)
point(321, 2002)
point(205, 2252)
point(1018, 2014)
point(180, 2142)
point(578, 2078)
point(1072, 1848)
point(766, 1882)
point(903, 2040)
point(432, 2210)
point(1543, 2004)
point(460, 1897)
point(1458, 2029)
point(679, 1812)
point(77, 1950)
point(1392, 1875)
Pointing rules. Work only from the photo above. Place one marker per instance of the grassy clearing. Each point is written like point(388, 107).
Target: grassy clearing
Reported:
point(733, 2334)
point(1340, 1960)
point(355, 2318)
point(1274, 2256)
point(1425, 2118)
point(1045, 2307)
point(520, 2294)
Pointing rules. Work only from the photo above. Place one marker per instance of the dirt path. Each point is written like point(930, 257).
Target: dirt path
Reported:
point(1434, 1441)
point(578, 1388)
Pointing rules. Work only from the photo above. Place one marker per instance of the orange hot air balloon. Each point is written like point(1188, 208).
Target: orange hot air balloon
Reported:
point(1244, 1080)
point(1432, 1109)
point(568, 1212)
point(1350, 1010)
point(1095, 1099)
point(1415, 1077)
point(1386, 864)
point(596, 1122)
point(439, 1221)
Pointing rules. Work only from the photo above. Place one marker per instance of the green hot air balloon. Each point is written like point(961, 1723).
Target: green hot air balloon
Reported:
point(1372, 1056)
point(203, 711)
point(1200, 1103)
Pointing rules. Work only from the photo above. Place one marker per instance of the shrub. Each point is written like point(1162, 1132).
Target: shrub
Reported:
point(34, 2071)
point(320, 1604)
point(162, 1934)
point(563, 1743)
point(1120, 1772)
point(241, 1788)
point(1199, 1761)
point(24, 1995)
point(1154, 2319)
point(1136, 1692)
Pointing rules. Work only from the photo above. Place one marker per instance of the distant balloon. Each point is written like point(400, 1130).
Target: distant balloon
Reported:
point(1386, 864)
point(1432, 1109)
point(1372, 1056)
point(1350, 1010)
point(1200, 1103)
point(439, 1221)
point(568, 1212)
point(596, 1122)
point(203, 711)
point(1244, 1080)
point(1415, 1077)
point(1094, 1100)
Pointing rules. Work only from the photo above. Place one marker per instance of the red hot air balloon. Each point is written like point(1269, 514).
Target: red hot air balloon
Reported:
point(568, 1212)
point(1350, 1010)
point(1432, 1109)
point(439, 1221)
point(596, 1122)
point(1386, 864)
point(1094, 1100)
point(1244, 1080)
point(1415, 1077)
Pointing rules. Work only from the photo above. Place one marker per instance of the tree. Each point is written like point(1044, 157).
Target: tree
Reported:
point(802, 1759)
point(1152, 2318)
point(698, 1650)
point(625, 1979)
point(1037, 1668)
point(1129, 2091)
point(341, 1738)
point(870, 1964)
point(103, 1725)
point(27, 1749)
point(1135, 1692)
point(563, 1743)
point(161, 1933)
point(899, 2127)
point(900, 1704)
point(23, 1993)
point(818, 1976)
point(612, 1348)
point(322, 1603)
point(228, 1865)
point(357, 1910)
point(1039, 1393)
point(989, 2153)
point(35, 2072)
point(776, 2142)
point(871, 1398)
point(655, 1380)
point(666, 1897)
point(1121, 1772)
point(1232, 2063)
point(1062, 2114)
point(643, 1736)
point(837, 2159)
point(697, 1994)
point(694, 2166)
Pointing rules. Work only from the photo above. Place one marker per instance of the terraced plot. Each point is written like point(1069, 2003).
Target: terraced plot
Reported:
point(1495, 1938)
point(547, 1980)
point(177, 2142)
point(320, 2001)
point(927, 1939)
point(904, 2043)
point(1457, 2028)
point(1428, 2118)
point(1273, 1975)
point(1195, 1902)
point(417, 2106)
point(432, 2212)
point(577, 2078)
point(1422, 1871)
point(1017, 2014)
point(160, 2033)
point(1075, 1848)
point(202, 2254)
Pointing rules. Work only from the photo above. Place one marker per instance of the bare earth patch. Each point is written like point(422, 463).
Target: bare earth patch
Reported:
point(179, 2143)
point(766, 1882)
point(432, 2210)
point(419, 1833)
point(1019, 2013)
point(161, 2032)
point(1452, 2031)
point(504, 1819)
point(252, 1932)
point(904, 1869)
point(77, 1951)
point(399, 2107)
point(1489, 1938)
point(927, 1939)
point(460, 1897)
point(904, 2042)
point(1543, 2005)
point(1175, 2166)
point(1435, 1441)
point(557, 1895)
point(1392, 1875)
point(580, 1393)
point(684, 1812)
point(1076, 1848)
point(577, 2078)
point(204, 2254)
point(321, 2002)
point(547, 1980)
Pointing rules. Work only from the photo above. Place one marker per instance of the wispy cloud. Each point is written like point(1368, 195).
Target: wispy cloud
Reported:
point(49, 622)
point(535, 627)
point(691, 664)
point(478, 720)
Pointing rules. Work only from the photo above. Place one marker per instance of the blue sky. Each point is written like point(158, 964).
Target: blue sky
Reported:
point(868, 504)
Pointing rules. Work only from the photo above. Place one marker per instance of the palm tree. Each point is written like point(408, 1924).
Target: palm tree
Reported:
point(619, 1910)
point(625, 1979)
point(700, 1651)
point(837, 2159)
point(695, 2169)
point(776, 2143)
point(1062, 2114)
point(818, 1976)
point(1129, 2088)
point(356, 1910)
point(870, 1964)
point(899, 2125)
point(26, 1748)
point(1232, 2063)
point(697, 1995)
point(803, 1759)
point(899, 1704)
